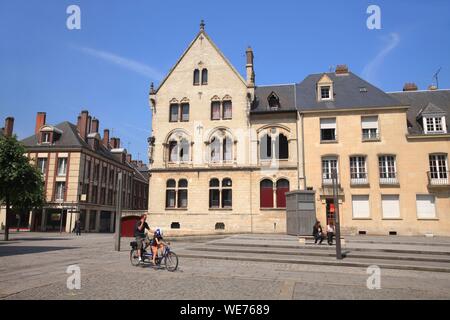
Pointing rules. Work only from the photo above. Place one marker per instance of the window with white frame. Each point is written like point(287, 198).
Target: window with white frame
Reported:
point(62, 166)
point(426, 207)
point(45, 137)
point(358, 171)
point(325, 93)
point(329, 164)
point(361, 207)
point(178, 149)
point(328, 129)
point(391, 206)
point(221, 148)
point(60, 190)
point(369, 127)
point(438, 166)
point(42, 164)
point(434, 124)
point(388, 169)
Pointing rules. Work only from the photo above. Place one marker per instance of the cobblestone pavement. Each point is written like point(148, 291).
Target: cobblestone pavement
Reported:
point(33, 266)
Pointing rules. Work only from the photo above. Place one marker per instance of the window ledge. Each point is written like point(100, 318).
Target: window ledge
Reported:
point(272, 209)
point(428, 219)
point(371, 140)
point(176, 209)
point(220, 209)
point(392, 219)
point(361, 218)
point(329, 141)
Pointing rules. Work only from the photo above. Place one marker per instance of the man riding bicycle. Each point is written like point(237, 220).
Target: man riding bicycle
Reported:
point(139, 233)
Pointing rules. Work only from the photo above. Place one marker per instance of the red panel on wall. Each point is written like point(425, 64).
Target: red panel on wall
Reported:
point(281, 197)
point(128, 224)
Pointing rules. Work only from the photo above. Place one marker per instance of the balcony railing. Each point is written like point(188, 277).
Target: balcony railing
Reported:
point(329, 182)
point(438, 178)
point(389, 181)
point(359, 181)
point(366, 136)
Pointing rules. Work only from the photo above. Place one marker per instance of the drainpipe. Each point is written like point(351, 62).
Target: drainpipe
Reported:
point(303, 151)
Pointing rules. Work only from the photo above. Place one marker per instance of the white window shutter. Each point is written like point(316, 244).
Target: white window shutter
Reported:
point(369, 122)
point(361, 208)
point(391, 206)
point(328, 123)
point(426, 208)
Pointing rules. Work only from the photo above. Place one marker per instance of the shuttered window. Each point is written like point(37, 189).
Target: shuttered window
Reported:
point(391, 206)
point(426, 208)
point(361, 208)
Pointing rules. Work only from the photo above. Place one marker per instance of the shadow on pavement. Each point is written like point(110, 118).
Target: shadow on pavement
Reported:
point(20, 250)
point(31, 239)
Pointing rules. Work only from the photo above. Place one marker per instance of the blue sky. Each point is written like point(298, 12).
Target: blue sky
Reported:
point(108, 65)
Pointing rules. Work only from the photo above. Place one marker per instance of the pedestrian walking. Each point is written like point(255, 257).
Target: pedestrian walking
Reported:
point(330, 232)
point(78, 227)
point(317, 233)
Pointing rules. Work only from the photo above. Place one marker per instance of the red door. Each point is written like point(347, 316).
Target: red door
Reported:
point(127, 226)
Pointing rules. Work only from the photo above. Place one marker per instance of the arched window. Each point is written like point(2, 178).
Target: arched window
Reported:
point(227, 149)
point(214, 193)
point(220, 195)
point(282, 188)
point(178, 148)
point(266, 194)
point(196, 77)
point(204, 76)
point(265, 147)
point(227, 109)
point(282, 147)
point(215, 110)
point(215, 149)
point(173, 151)
point(176, 197)
point(182, 193)
point(274, 101)
point(170, 193)
point(227, 198)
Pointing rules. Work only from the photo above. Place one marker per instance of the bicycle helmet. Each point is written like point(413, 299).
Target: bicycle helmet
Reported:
point(159, 232)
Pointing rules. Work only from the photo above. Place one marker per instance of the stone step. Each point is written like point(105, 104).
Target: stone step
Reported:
point(324, 246)
point(323, 253)
point(324, 261)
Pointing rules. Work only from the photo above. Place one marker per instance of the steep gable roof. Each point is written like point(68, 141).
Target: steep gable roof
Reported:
point(201, 33)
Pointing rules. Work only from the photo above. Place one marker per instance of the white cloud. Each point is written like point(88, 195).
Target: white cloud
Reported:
point(370, 69)
point(126, 63)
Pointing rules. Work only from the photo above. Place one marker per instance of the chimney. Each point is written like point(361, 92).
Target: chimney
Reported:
point(410, 86)
point(128, 158)
point(432, 87)
point(40, 121)
point(250, 69)
point(95, 125)
point(341, 69)
point(106, 138)
point(89, 124)
point(9, 126)
point(115, 143)
point(83, 124)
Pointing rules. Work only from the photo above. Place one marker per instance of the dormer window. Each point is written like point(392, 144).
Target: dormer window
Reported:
point(46, 137)
point(434, 125)
point(274, 101)
point(325, 93)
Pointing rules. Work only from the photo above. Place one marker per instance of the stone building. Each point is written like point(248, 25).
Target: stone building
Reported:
point(224, 151)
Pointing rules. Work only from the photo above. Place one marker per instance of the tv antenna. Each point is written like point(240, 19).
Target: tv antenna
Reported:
point(436, 78)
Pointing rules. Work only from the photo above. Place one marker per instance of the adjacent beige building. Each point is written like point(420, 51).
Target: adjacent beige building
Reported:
point(224, 151)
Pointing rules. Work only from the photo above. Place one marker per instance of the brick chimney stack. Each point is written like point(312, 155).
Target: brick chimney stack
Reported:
point(410, 86)
point(9, 126)
point(106, 138)
point(83, 124)
point(341, 69)
point(95, 125)
point(115, 143)
point(40, 121)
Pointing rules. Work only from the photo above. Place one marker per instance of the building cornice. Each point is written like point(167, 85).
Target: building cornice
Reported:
point(423, 136)
point(353, 109)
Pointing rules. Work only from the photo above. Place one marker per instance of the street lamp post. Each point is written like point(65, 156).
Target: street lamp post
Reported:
point(336, 214)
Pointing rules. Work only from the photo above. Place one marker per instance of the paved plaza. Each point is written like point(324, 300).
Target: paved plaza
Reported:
point(33, 266)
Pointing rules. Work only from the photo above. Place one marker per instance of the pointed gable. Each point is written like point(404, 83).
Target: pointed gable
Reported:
point(203, 41)
point(430, 110)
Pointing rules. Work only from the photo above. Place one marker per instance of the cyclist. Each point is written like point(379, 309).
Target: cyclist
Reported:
point(139, 233)
point(157, 243)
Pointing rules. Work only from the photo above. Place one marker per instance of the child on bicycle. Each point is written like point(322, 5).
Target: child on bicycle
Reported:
point(157, 243)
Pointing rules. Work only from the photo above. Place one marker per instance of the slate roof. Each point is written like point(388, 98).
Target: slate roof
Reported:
point(420, 101)
point(285, 93)
point(350, 91)
point(70, 138)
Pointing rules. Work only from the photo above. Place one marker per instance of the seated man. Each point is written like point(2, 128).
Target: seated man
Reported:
point(139, 233)
point(157, 243)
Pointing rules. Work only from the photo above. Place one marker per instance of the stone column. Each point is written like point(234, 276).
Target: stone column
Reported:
point(113, 220)
point(87, 220)
point(97, 221)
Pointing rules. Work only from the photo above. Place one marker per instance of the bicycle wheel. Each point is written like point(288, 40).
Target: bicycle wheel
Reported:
point(171, 261)
point(134, 258)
